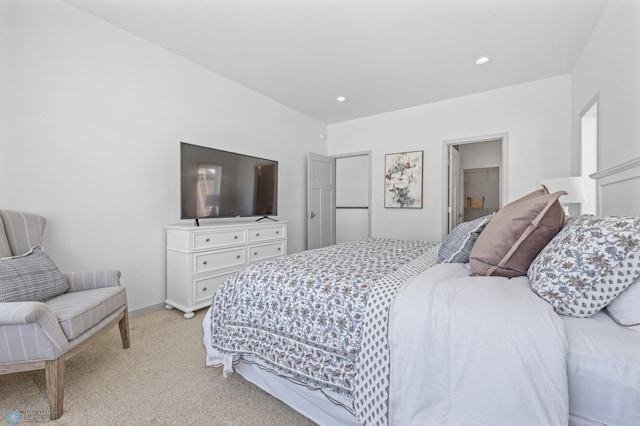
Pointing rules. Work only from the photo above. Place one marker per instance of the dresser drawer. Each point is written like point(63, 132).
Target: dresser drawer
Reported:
point(221, 238)
point(219, 259)
point(200, 259)
point(267, 233)
point(266, 251)
point(205, 288)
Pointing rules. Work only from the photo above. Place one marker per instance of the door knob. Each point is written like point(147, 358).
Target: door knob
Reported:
point(311, 215)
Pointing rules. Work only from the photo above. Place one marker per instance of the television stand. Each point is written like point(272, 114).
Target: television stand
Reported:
point(266, 217)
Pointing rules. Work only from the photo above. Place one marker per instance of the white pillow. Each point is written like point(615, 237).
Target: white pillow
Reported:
point(625, 309)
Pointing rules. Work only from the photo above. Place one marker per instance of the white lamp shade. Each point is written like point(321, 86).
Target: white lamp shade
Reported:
point(573, 185)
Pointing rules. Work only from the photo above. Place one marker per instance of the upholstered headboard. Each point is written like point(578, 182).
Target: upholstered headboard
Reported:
point(618, 189)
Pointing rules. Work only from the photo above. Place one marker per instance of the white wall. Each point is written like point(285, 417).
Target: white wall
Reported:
point(480, 155)
point(534, 115)
point(91, 122)
point(609, 67)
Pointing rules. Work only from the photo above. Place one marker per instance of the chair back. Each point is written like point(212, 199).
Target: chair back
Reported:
point(23, 230)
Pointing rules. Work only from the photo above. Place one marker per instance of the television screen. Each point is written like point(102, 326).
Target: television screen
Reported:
point(216, 184)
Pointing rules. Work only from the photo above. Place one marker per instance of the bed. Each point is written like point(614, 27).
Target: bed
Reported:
point(383, 331)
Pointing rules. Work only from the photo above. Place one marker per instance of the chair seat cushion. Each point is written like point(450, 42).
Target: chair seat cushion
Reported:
point(79, 311)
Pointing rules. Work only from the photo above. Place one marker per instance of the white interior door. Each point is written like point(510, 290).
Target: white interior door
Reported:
point(321, 201)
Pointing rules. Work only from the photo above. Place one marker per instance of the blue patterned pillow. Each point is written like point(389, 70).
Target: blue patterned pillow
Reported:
point(587, 264)
point(31, 277)
point(457, 246)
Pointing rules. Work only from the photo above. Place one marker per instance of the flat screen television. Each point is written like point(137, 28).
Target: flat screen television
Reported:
point(222, 184)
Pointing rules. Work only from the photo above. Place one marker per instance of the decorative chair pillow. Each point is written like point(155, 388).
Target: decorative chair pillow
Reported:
point(590, 262)
point(516, 234)
point(5, 249)
point(457, 246)
point(625, 309)
point(30, 277)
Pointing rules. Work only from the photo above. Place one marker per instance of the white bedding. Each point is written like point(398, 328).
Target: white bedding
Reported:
point(466, 350)
point(475, 351)
point(463, 350)
point(603, 365)
point(604, 371)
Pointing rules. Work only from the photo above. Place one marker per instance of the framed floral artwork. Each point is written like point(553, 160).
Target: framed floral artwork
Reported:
point(403, 180)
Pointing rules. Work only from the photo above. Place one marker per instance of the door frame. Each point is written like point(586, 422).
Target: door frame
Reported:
point(591, 206)
point(504, 170)
point(453, 197)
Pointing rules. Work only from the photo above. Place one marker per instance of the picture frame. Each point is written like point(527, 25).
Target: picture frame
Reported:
point(403, 180)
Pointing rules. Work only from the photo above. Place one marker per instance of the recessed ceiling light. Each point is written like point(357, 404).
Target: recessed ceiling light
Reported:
point(482, 60)
point(341, 99)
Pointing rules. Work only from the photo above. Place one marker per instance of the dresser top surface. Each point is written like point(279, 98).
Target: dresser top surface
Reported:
point(226, 224)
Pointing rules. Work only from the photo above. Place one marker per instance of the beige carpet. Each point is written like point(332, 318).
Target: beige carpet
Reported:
point(160, 380)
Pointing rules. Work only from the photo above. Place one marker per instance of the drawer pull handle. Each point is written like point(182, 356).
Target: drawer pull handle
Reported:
point(204, 263)
point(277, 232)
point(238, 257)
point(204, 289)
point(257, 234)
point(255, 253)
point(279, 248)
point(235, 237)
point(207, 240)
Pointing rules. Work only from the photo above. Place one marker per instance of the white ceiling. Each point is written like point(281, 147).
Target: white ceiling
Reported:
point(382, 55)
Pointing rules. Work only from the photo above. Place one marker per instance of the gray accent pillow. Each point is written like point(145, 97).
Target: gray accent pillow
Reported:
point(5, 249)
point(457, 246)
point(30, 277)
point(588, 264)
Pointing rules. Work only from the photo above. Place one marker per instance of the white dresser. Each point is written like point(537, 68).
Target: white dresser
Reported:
point(200, 258)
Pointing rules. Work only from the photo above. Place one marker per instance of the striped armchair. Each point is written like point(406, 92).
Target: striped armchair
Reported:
point(42, 332)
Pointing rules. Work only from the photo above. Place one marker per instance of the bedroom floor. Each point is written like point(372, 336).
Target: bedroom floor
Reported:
point(161, 379)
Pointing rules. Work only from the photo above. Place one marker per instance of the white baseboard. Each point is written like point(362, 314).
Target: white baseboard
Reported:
point(146, 310)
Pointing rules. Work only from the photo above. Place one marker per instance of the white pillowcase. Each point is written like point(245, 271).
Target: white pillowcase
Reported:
point(625, 309)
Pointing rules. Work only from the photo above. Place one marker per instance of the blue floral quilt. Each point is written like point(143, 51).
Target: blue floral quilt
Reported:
point(302, 314)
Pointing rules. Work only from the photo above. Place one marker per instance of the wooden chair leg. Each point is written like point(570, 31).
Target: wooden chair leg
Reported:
point(54, 376)
point(124, 330)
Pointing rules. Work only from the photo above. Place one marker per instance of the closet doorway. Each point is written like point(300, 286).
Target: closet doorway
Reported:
point(481, 191)
point(475, 178)
point(353, 196)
